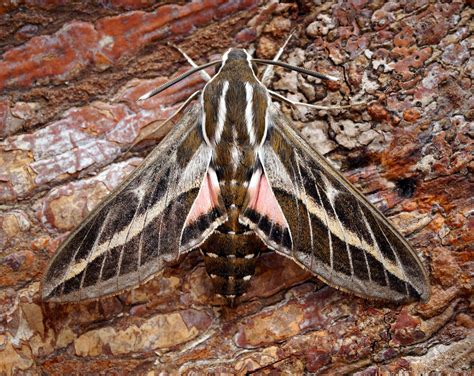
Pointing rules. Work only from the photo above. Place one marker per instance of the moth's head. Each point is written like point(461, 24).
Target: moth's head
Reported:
point(236, 54)
point(236, 59)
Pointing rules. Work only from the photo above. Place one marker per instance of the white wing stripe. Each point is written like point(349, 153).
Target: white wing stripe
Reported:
point(87, 261)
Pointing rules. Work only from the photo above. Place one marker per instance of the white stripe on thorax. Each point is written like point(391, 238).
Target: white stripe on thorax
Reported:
point(269, 101)
point(249, 112)
point(203, 125)
point(221, 113)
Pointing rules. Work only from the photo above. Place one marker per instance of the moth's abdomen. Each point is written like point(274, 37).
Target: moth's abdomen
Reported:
point(230, 260)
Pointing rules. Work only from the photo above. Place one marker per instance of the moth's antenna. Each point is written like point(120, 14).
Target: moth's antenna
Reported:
point(165, 125)
point(165, 86)
point(316, 106)
point(297, 69)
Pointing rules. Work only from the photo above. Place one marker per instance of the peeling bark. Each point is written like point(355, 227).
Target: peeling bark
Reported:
point(70, 76)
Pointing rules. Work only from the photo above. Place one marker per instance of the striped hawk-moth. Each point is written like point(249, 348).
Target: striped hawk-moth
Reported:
point(234, 177)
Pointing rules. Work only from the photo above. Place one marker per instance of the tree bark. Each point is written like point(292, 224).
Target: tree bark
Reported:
point(70, 76)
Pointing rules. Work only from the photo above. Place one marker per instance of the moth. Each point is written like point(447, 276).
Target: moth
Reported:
point(233, 178)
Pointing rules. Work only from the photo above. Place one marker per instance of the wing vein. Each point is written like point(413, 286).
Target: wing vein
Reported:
point(140, 245)
point(331, 251)
point(305, 204)
point(376, 244)
point(399, 264)
point(122, 249)
point(343, 232)
point(91, 252)
point(172, 183)
point(73, 259)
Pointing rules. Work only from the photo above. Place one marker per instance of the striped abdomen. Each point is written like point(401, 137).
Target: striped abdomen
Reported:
point(230, 261)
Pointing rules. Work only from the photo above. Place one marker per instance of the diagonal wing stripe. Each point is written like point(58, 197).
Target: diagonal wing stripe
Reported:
point(304, 196)
point(102, 227)
point(352, 238)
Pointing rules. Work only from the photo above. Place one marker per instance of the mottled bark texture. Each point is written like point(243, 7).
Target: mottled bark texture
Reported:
point(70, 75)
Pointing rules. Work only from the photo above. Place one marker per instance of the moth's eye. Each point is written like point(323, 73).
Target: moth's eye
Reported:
point(217, 67)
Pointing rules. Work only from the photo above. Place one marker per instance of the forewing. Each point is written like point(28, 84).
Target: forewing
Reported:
point(140, 228)
point(335, 232)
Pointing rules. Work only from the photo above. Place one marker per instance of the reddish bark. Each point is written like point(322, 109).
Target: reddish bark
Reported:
point(70, 76)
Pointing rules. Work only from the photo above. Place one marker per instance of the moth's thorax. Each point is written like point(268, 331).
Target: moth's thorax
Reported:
point(234, 105)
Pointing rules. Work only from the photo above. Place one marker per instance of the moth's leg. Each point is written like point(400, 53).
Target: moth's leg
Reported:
point(315, 106)
point(204, 75)
point(162, 128)
point(268, 72)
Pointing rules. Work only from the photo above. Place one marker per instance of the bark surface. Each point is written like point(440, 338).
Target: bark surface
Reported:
point(70, 75)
